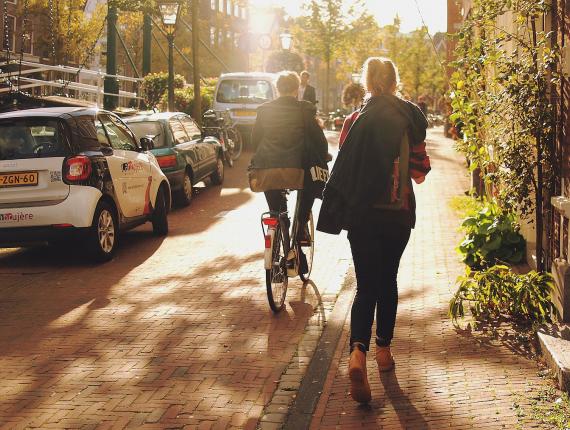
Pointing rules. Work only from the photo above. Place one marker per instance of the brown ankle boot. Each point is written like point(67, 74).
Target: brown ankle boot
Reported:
point(359, 387)
point(384, 358)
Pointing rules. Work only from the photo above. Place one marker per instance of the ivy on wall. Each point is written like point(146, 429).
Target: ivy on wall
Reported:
point(500, 94)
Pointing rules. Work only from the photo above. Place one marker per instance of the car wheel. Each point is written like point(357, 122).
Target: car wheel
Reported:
point(160, 214)
point(218, 175)
point(184, 196)
point(102, 236)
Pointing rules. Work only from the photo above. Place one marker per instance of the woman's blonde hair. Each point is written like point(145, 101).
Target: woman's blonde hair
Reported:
point(287, 82)
point(380, 75)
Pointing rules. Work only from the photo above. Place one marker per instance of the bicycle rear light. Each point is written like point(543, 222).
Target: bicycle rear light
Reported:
point(270, 222)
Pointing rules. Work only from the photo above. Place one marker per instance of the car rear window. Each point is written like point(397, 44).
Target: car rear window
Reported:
point(31, 138)
point(247, 91)
point(148, 128)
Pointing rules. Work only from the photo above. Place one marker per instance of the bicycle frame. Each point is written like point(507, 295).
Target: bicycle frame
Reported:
point(269, 221)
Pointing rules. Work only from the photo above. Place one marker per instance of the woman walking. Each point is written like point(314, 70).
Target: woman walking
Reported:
point(370, 195)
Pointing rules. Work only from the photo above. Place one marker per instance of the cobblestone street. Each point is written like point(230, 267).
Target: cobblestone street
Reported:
point(171, 333)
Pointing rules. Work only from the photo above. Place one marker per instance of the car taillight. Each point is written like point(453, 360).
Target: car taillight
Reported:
point(77, 168)
point(166, 161)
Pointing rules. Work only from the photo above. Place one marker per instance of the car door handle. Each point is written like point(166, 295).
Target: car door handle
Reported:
point(106, 150)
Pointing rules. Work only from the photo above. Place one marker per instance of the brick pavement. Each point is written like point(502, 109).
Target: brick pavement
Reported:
point(173, 333)
point(443, 378)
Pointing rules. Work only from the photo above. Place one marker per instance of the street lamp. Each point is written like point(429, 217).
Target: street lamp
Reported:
point(286, 41)
point(169, 13)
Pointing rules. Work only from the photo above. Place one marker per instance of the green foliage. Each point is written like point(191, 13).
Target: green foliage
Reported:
point(284, 60)
point(492, 235)
point(465, 206)
point(74, 34)
point(500, 94)
point(497, 291)
point(155, 85)
point(184, 100)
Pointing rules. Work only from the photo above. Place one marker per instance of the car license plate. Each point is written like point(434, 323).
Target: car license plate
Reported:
point(244, 113)
point(18, 179)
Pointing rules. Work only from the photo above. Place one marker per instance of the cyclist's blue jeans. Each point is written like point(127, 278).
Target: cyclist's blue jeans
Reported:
point(376, 251)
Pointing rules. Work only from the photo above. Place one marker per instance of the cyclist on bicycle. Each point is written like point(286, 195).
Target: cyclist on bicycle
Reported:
point(284, 129)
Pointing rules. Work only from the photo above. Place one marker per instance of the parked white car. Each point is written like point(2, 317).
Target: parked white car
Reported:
point(242, 94)
point(76, 173)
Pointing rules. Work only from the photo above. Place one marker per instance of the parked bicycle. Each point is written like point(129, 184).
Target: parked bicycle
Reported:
point(283, 252)
point(219, 125)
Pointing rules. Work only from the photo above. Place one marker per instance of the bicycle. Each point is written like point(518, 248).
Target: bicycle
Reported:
point(283, 252)
point(219, 124)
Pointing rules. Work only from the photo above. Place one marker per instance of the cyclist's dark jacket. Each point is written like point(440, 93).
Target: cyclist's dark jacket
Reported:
point(362, 171)
point(278, 135)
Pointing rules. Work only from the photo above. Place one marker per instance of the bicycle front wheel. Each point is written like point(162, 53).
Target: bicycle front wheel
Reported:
point(276, 278)
point(309, 250)
point(237, 140)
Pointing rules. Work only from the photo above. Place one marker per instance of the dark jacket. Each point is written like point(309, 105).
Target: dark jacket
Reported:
point(310, 95)
point(362, 171)
point(278, 134)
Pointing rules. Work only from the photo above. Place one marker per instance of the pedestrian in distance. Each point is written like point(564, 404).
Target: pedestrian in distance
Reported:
point(285, 131)
point(370, 195)
point(307, 92)
point(352, 96)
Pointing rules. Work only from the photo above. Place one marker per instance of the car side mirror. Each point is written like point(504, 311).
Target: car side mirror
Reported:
point(147, 143)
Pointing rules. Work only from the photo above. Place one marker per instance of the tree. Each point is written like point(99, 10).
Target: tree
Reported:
point(284, 60)
point(71, 36)
point(322, 32)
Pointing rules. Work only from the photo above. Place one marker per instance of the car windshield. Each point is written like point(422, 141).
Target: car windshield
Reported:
point(248, 91)
point(148, 128)
point(30, 138)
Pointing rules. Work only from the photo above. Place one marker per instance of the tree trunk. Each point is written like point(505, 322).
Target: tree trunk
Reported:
point(327, 83)
point(539, 208)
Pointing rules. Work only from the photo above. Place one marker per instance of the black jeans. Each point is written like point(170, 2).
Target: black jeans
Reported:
point(277, 202)
point(376, 252)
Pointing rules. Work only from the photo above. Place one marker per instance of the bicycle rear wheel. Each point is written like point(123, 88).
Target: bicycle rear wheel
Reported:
point(237, 140)
point(276, 278)
point(309, 250)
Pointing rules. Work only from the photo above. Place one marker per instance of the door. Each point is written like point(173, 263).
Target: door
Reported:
point(206, 150)
point(130, 169)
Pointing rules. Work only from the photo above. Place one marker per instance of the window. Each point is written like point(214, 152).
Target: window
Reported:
point(28, 43)
point(213, 4)
point(151, 129)
point(228, 7)
point(178, 131)
point(212, 36)
point(246, 91)
point(236, 10)
point(242, 13)
point(10, 43)
point(118, 134)
point(30, 138)
point(220, 37)
point(191, 127)
point(92, 136)
point(221, 5)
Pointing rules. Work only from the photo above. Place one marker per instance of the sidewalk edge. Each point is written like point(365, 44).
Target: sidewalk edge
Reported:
point(301, 411)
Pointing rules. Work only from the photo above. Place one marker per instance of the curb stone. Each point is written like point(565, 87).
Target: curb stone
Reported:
point(302, 380)
point(555, 348)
